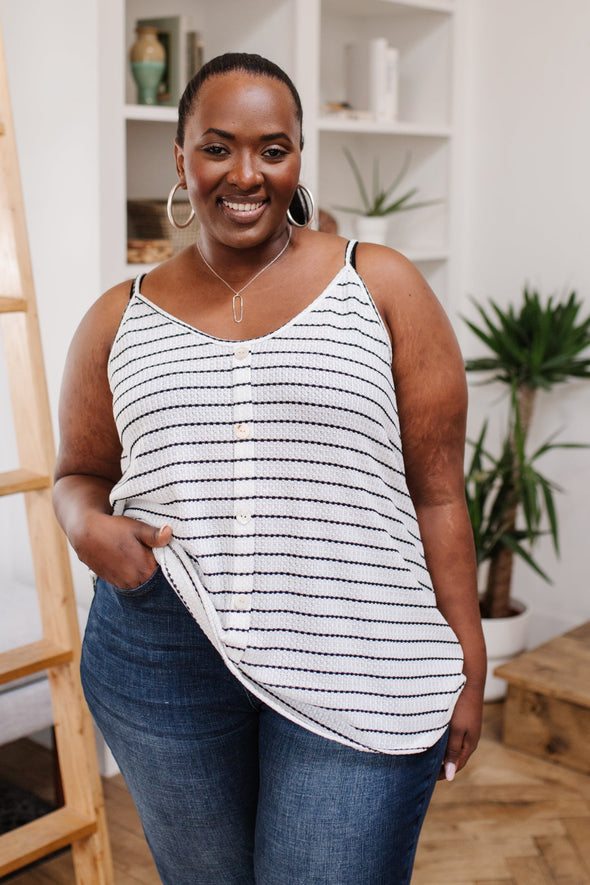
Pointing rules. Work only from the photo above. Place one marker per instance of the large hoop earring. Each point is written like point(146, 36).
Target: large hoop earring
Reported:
point(301, 211)
point(177, 224)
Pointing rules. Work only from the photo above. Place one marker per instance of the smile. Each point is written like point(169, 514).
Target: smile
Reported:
point(243, 207)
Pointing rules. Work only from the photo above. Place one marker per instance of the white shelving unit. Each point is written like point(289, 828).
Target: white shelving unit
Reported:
point(307, 38)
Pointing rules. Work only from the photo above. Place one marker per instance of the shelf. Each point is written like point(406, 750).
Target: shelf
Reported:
point(387, 7)
point(150, 113)
point(336, 123)
point(424, 33)
point(428, 5)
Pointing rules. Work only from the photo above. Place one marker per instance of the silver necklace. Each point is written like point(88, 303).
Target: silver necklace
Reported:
point(238, 301)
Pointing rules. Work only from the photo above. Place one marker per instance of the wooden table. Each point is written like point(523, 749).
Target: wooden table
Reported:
point(547, 707)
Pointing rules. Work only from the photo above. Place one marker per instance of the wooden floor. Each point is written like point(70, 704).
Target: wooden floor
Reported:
point(508, 819)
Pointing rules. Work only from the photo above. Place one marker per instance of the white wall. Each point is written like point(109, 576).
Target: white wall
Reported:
point(527, 218)
point(52, 61)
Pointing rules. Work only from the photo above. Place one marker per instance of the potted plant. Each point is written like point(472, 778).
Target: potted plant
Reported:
point(511, 503)
point(380, 202)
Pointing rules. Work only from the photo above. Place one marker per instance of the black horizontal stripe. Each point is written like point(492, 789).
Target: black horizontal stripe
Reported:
point(229, 516)
point(350, 344)
point(334, 617)
point(397, 640)
point(278, 479)
point(362, 692)
point(267, 440)
point(335, 357)
point(139, 474)
point(348, 654)
point(329, 407)
point(309, 558)
point(226, 499)
point(379, 677)
point(347, 313)
point(116, 366)
point(267, 421)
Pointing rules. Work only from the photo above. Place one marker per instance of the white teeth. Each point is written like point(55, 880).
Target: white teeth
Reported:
point(242, 207)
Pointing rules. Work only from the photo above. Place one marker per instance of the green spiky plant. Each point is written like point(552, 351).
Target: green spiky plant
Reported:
point(511, 504)
point(380, 201)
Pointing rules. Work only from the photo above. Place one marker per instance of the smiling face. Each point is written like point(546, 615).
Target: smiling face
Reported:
point(241, 158)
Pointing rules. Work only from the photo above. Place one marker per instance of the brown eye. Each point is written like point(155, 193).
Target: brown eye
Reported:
point(275, 153)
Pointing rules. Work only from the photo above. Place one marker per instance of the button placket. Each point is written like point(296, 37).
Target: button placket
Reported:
point(238, 618)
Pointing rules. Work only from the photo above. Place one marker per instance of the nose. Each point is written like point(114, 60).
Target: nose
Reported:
point(245, 173)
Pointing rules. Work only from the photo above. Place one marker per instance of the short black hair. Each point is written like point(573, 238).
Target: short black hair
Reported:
point(228, 63)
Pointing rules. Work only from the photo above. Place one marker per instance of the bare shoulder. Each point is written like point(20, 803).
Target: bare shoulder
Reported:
point(323, 250)
point(399, 290)
point(427, 363)
point(99, 325)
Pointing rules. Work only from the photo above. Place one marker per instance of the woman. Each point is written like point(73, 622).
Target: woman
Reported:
point(285, 619)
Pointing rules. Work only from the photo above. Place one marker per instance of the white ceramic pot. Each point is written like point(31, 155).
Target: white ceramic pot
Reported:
point(505, 639)
point(372, 229)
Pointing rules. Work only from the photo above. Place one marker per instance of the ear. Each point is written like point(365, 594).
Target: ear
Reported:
point(179, 160)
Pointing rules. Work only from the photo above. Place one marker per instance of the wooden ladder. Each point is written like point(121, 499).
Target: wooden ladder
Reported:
point(81, 822)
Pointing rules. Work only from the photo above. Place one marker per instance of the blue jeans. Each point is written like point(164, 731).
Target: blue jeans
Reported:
point(228, 790)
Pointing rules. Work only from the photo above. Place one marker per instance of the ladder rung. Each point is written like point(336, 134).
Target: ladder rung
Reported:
point(9, 304)
point(42, 837)
point(32, 658)
point(12, 482)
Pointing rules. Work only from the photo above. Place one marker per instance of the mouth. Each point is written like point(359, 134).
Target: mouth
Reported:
point(243, 210)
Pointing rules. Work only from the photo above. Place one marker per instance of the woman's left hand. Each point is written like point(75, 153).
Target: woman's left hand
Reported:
point(464, 730)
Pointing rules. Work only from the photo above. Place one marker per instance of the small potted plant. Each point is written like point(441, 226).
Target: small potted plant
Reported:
point(511, 504)
point(380, 202)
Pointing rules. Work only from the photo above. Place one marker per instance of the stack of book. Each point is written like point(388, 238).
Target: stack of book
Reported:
point(372, 79)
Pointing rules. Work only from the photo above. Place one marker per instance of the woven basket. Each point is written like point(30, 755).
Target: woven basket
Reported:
point(147, 220)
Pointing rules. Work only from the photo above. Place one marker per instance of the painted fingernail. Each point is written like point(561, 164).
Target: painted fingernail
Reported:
point(450, 770)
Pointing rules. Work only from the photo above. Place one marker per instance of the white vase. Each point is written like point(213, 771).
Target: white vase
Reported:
point(505, 639)
point(372, 229)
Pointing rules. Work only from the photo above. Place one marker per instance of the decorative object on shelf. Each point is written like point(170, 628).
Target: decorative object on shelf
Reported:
point(184, 55)
point(372, 79)
point(179, 225)
point(377, 208)
point(301, 211)
point(532, 346)
point(147, 222)
point(148, 61)
point(148, 251)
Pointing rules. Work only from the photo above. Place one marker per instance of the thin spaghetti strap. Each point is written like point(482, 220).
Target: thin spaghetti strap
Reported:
point(135, 285)
point(350, 257)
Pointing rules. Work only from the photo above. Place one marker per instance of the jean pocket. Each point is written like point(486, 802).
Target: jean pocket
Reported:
point(141, 589)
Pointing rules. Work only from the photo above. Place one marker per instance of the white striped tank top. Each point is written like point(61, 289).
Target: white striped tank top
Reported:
point(277, 463)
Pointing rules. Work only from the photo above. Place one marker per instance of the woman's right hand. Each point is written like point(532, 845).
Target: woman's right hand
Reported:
point(118, 548)
point(88, 465)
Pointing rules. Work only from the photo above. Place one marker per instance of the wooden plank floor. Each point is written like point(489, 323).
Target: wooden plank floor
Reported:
point(508, 819)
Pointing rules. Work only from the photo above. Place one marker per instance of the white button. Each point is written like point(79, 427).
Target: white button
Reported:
point(243, 517)
point(241, 353)
point(243, 431)
point(241, 602)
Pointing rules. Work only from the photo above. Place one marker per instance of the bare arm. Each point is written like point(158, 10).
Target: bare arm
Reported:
point(88, 461)
point(432, 401)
